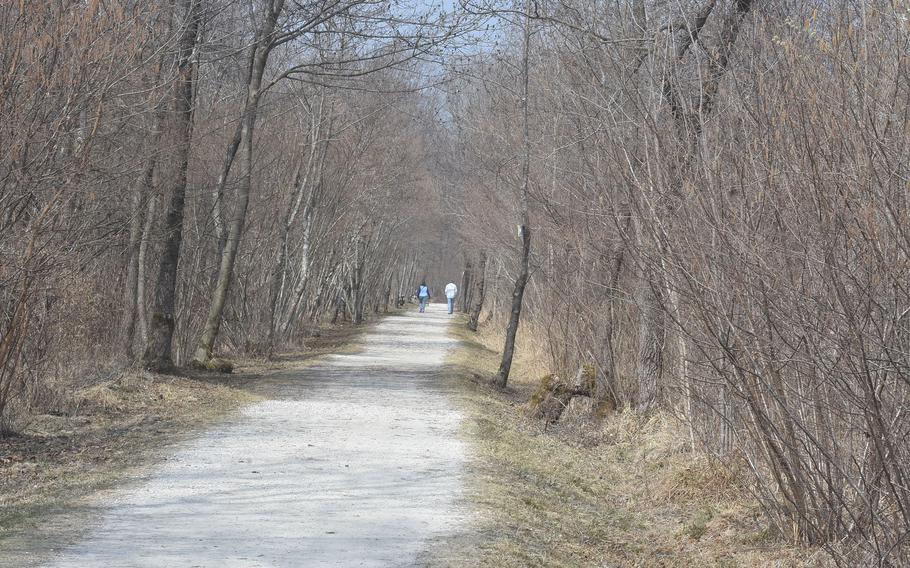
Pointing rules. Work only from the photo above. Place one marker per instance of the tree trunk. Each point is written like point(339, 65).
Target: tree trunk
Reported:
point(225, 270)
point(357, 292)
point(134, 292)
point(157, 354)
point(303, 277)
point(607, 378)
point(388, 295)
point(466, 286)
point(218, 193)
point(143, 253)
point(508, 350)
point(227, 162)
point(521, 280)
point(131, 287)
point(339, 307)
point(309, 210)
point(651, 348)
point(276, 279)
point(302, 186)
point(478, 293)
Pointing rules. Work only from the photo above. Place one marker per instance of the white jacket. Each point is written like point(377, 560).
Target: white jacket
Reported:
point(451, 290)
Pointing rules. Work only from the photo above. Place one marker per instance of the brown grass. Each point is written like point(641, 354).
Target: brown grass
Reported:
point(630, 493)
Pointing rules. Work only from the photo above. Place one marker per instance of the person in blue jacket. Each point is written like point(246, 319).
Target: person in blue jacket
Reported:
point(423, 295)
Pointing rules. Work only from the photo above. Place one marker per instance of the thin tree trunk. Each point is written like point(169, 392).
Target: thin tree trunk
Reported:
point(143, 253)
point(478, 293)
point(212, 326)
point(497, 280)
point(302, 182)
point(617, 259)
point(521, 280)
point(276, 279)
point(130, 291)
point(357, 295)
point(303, 277)
point(388, 294)
point(134, 292)
point(157, 354)
point(218, 193)
point(279, 270)
point(230, 154)
point(309, 210)
point(339, 307)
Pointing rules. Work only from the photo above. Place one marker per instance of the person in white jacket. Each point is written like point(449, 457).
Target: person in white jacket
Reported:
point(451, 292)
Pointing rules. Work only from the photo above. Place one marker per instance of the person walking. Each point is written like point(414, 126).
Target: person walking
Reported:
point(451, 292)
point(423, 295)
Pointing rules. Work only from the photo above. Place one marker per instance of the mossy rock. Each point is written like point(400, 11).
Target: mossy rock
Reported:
point(550, 398)
point(553, 395)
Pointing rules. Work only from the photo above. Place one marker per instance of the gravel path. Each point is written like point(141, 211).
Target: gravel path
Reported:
point(354, 462)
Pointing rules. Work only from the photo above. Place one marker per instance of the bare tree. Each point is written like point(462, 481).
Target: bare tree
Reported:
point(524, 228)
point(161, 330)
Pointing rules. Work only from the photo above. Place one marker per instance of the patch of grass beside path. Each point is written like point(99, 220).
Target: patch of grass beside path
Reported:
point(638, 497)
point(107, 431)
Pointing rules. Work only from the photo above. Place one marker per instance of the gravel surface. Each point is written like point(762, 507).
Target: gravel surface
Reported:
point(353, 462)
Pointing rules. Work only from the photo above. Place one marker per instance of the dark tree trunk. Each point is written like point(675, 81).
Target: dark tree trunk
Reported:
point(357, 294)
point(466, 278)
point(508, 350)
point(157, 354)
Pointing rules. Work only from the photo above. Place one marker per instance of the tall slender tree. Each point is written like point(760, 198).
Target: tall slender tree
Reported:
point(524, 227)
point(161, 328)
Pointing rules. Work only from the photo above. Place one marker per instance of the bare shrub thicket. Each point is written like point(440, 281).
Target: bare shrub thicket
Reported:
point(721, 219)
point(179, 179)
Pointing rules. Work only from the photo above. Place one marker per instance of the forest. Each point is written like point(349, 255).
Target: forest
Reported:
point(702, 204)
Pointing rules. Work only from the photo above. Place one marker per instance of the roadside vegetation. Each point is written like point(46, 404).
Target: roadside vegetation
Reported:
point(617, 490)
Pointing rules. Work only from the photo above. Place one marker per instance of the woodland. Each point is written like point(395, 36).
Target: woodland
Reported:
point(702, 205)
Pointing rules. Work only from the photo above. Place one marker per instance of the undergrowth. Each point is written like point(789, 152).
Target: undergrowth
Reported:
point(635, 496)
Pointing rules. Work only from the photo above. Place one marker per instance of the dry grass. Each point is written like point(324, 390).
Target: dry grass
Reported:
point(636, 497)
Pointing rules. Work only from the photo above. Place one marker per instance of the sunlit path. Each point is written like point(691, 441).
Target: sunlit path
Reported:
point(354, 462)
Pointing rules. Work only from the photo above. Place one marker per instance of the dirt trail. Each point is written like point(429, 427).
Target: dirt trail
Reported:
point(353, 462)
